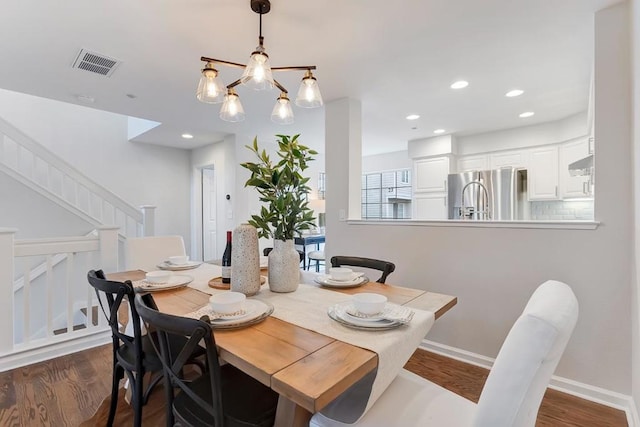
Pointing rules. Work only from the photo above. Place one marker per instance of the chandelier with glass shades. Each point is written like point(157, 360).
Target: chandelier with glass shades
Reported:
point(257, 75)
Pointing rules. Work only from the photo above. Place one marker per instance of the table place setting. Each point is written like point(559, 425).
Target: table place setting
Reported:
point(161, 281)
point(232, 310)
point(178, 263)
point(341, 277)
point(368, 311)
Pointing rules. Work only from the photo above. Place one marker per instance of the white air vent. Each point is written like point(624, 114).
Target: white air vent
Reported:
point(95, 63)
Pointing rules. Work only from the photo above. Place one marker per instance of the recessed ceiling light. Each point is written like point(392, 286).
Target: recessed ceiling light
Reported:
point(459, 84)
point(413, 117)
point(527, 114)
point(439, 131)
point(513, 93)
point(187, 136)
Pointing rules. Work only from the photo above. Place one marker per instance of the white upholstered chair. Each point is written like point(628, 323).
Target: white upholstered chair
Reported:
point(514, 389)
point(145, 253)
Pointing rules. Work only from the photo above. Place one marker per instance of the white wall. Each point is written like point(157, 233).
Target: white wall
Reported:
point(95, 142)
point(493, 271)
point(387, 161)
point(634, 16)
point(525, 136)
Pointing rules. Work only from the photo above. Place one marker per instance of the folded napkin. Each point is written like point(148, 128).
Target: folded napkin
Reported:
point(208, 311)
point(395, 312)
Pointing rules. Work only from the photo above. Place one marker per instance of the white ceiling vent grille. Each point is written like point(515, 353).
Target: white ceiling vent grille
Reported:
point(95, 63)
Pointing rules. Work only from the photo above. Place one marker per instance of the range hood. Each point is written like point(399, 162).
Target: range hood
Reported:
point(582, 167)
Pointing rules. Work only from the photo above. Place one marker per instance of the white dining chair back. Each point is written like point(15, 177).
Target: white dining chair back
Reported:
point(516, 384)
point(145, 253)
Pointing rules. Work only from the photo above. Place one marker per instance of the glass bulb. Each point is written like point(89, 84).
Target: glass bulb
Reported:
point(282, 112)
point(309, 92)
point(257, 74)
point(232, 110)
point(210, 88)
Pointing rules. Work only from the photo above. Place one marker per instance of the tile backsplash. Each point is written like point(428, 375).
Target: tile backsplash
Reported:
point(562, 210)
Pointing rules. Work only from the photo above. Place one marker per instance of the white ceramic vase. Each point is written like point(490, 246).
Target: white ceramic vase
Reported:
point(245, 260)
point(284, 266)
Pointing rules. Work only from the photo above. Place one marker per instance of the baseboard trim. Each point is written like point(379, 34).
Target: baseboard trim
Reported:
point(40, 354)
point(584, 391)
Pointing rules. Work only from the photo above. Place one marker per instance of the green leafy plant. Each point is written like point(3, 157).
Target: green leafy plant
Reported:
point(282, 188)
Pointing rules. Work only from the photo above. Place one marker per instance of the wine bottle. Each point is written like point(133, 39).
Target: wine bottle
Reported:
point(226, 261)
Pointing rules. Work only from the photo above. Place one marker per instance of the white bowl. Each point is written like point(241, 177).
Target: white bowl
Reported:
point(340, 273)
point(368, 303)
point(158, 276)
point(178, 259)
point(227, 302)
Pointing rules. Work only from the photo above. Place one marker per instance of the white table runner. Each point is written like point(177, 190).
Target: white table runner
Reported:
point(307, 308)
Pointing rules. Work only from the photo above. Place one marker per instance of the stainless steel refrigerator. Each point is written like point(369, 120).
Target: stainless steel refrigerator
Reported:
point(498, 195)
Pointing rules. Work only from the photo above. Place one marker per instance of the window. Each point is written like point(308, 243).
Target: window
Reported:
point(386, 195)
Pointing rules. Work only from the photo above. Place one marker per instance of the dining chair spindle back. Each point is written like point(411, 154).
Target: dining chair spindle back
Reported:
point(385, 267)
point(221, 396)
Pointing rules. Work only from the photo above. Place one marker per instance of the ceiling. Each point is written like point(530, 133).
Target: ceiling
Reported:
point(398, 58)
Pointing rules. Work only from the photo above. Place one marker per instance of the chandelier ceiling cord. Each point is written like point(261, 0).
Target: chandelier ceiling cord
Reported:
point(257, 75)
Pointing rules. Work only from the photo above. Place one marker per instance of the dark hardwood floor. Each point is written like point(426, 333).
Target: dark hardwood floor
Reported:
point(72, 391)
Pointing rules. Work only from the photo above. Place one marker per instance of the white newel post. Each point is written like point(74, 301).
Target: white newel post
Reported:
point(7, 237)
point(148, 220)
point(108, 235)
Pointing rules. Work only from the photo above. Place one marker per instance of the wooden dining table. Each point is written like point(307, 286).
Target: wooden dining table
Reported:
point(306, 368)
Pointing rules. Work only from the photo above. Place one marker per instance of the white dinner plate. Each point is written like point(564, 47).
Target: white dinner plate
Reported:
point(254, 311)
point(175, 281)
point(325, 280)
point(338, 313)
point(166, 265)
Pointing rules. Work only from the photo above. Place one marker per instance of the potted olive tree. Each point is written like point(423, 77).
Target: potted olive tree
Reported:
point(285, 212)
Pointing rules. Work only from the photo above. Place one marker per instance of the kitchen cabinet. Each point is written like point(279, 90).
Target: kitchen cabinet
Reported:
point(573, 186)
point(515, 159)
point(430, 206)
point(473, 163)
point(430, 175)
point(543, 174)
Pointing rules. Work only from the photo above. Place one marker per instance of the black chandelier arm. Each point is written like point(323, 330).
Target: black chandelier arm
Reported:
point(234, 84)
point(222, 61)
point(298, 67)
point(279, 86)
point(236, 64)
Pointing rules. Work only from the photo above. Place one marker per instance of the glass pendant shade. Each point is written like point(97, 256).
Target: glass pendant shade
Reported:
point(282, 112)
point(210, 89)
point(309, 93)
point(257, 74)
point(232, 110)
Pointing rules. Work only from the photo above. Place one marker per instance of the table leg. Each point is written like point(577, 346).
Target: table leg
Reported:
point(289, 414)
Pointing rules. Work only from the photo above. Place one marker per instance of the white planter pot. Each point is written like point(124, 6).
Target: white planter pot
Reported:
point(284, 267)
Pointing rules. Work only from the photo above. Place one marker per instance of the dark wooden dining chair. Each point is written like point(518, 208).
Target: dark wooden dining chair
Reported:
point(133, 355)
point(385, 267)
point(221, 396)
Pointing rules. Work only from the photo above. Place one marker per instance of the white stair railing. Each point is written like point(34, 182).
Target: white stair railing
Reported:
point(51, 304)
point(33, 165)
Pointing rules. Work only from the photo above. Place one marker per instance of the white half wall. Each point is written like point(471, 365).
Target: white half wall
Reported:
point(493, 271)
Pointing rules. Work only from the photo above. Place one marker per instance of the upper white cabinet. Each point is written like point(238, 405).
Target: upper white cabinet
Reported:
point(430, 175)
point(542, 176)
point(515, 158)
point(473, 163)
point(573, 186)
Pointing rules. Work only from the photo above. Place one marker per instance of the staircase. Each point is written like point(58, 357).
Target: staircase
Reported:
point(29, 162)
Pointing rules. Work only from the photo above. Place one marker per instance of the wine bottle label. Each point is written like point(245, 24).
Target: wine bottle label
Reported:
point(226, 272)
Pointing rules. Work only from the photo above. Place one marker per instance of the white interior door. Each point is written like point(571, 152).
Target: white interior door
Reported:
point(209, 232)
